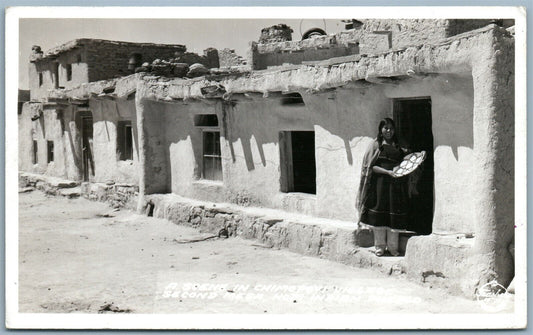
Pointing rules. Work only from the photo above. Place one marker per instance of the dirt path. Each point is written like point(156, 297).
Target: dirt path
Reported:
point(80, 256)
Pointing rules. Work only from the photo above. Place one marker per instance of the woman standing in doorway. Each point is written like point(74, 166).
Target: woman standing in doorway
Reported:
point(383, 198)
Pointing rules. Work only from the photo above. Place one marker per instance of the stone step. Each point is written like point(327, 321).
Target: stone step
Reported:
point(73, 192)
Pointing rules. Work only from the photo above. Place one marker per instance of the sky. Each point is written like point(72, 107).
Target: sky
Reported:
point(196, 34)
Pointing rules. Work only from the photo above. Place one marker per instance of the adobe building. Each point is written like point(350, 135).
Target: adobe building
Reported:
point(286, 133)
point(91, 137)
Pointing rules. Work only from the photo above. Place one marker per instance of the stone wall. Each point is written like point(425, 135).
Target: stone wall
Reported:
point(229, 58)
point(331, 240)
point(261, 56)
point(374, 36)
point(380, 35)
point(108, 60)
point(117, 195)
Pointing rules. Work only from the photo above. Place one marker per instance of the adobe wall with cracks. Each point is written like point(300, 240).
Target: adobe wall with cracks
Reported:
point(54, 123)
point(46, 67)
point(487, 258)
point(372, 37)
point(153, 163)
point(380, 35)
point(108, 166)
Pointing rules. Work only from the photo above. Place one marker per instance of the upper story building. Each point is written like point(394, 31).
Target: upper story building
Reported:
point(365, 37)
point(87, 60)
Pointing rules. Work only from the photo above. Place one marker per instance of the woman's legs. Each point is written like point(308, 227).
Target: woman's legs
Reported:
point(393, 241)
point(380, 240)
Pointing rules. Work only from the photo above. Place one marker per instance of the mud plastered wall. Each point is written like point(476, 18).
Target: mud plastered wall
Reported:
point(379, 35)
point(250, 131)
point(26, 134)
point(154, 172)
point(47, 67)
point(53, 125)
point(345, 122)
point(107, 163)
point(80, 72)
point(452, 103)
point(184, 149)
point(493, 75)
point(251, 153)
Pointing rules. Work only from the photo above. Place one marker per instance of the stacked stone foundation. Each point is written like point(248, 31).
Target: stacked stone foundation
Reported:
point(311, 236)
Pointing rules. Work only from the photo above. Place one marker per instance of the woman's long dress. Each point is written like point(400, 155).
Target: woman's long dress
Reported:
point(387, 202)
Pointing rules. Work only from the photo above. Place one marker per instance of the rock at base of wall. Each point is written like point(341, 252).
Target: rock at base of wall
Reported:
point(117, 195)
point(49, 185)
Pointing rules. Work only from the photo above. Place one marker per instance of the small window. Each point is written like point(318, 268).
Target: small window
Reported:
point(292, 99)
point(69, 72)
point(56, 75)
point(125, 140)
point(206, 120)
point(212, 159)
point(298, 166)
point(78, 58)
point(35, 151)
point(50, 151)
point(40, 79)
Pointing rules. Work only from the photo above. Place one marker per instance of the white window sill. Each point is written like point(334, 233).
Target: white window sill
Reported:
point(300, 195)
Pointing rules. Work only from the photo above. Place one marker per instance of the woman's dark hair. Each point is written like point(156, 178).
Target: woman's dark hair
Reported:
point(382, 123)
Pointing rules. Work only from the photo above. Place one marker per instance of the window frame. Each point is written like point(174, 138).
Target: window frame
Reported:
point(68, 69)
point(287, 172)
point(122, 125)
point(204, 131)
point(35, 152)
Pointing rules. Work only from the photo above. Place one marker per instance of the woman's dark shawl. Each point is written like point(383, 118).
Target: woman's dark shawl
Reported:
point(371, 155)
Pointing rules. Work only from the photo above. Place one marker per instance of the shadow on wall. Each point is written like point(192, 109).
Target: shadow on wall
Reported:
point(257, 122)
point(252, 128)
point(346, 115)
point(460, 132)
point(452, 105)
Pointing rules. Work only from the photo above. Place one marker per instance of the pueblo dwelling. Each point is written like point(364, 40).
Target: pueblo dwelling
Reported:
point(219, 141)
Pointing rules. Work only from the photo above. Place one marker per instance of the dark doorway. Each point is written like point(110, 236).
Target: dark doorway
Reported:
point(56, 75)
point(298, 161)
point(86, 125)
point(414, 130)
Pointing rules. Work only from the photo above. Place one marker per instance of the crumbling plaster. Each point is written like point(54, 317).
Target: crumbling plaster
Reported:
point(107, 163)
point(54, 124)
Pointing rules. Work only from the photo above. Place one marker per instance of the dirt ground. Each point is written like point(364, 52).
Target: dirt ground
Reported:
point(81, 256)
